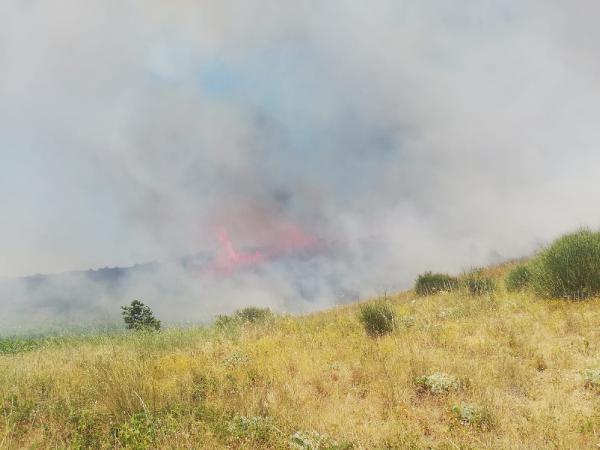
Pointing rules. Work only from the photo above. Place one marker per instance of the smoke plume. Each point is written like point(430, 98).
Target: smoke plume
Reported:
point(333, 149)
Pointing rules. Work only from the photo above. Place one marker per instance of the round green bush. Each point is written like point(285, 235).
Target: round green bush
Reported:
point(518, 278)
point(433, 283)
point(569, 267)
point(378, 318)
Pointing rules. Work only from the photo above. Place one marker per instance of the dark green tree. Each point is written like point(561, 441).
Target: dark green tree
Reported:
point(138, 316)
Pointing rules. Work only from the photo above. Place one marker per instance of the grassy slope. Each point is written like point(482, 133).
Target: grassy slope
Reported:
point(520, 358)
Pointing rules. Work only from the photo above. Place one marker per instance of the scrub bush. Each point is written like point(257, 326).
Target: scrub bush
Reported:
point(476, 283)
point(378, 318)
point(569, 267)
point(430, 283)
point(518, 278)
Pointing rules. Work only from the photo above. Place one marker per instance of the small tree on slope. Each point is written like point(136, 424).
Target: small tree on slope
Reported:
point(138, 316)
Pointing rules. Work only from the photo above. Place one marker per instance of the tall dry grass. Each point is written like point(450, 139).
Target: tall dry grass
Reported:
point(518, 363)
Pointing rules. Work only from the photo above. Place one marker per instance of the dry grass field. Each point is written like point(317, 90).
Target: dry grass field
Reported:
point(502, 371)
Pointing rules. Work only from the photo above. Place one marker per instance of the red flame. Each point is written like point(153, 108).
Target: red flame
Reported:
point(290, 238)
point(283, 239)
point(230, 258)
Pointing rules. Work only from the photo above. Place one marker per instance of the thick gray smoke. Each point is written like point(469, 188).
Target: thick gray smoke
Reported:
point(403, 135)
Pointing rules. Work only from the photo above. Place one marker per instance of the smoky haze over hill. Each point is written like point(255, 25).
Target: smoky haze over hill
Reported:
point(191, 289)
point(406, 135)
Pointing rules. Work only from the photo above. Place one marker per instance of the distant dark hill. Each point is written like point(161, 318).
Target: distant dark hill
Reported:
point(191, 289)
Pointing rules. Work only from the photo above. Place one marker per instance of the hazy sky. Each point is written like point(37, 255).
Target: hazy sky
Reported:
point(417, 134)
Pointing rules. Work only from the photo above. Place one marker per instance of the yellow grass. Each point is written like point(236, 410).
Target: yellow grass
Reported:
point(518, 358)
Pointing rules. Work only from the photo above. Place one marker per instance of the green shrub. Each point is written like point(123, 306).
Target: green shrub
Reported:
point(378, 318)
point(251, 314)
point(139, 317)
point(569, 267)
point(139, 432)
point(430, 283)
point(476, 283)
point(224, 321)
point(518, 278)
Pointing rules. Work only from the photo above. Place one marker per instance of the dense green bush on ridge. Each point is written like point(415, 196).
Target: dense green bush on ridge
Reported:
point(254, 314)
point(251, 314)
point(569, 267)
point(518, 278)
point(430, 283)
point(473, 282)
point(476, 283)
point(378, 318)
